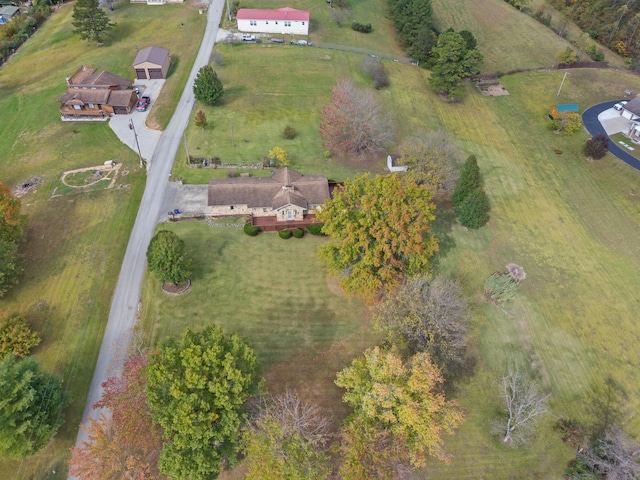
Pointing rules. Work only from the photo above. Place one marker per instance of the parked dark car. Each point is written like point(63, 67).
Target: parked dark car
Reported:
point(276, 40)
point(304, 43)
point(143, 104)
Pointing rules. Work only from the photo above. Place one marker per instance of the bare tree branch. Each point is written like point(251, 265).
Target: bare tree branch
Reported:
point(614, 456)
point(523, 403)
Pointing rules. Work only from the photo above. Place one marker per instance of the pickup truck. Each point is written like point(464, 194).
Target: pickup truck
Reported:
point(248, 38)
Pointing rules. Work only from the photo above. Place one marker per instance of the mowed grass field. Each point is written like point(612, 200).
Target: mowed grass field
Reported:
point(274, 293)
point(571, 224)
point(507, 38)
point(76, 242)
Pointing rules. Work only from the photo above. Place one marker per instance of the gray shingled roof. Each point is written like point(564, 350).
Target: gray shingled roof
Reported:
point(155, 55)
point(633, 106)
point(284, 187)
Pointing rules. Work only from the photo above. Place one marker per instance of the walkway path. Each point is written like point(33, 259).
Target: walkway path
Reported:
point(152, 207)
point(594, 127)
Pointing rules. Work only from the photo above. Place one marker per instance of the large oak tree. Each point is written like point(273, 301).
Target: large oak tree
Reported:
point(90, 21)
point(196, 388)
point(381, 229)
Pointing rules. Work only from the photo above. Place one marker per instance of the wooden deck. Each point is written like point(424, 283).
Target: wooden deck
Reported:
point(270, 224)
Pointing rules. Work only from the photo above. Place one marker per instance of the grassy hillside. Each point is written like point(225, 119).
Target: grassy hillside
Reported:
point(508, 38)
point(75, 243)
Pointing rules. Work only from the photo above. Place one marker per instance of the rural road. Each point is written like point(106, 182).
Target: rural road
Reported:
point(122, 316)
point(594, 127)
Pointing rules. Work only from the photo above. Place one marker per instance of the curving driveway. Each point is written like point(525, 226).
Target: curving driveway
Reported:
point(594, 127)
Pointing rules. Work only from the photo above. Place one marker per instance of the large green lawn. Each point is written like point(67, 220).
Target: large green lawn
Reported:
point(572, 225)
point(76, 242)
point(271, 291)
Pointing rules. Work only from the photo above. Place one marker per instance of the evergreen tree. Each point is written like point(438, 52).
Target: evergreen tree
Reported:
point(29, 407)
point(207, 87)
point(453, 62)
point(90, 21)
point(469, 180)
point(473, 212)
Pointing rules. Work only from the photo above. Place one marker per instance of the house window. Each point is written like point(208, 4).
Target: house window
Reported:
point(231, 207)
point(287, 23)
point(276, 22)
point(93, 88)
point(253, 23)
point(303, 23)
point(290, 214)
point(77, 107)
point(264, 210)
point(91, 105)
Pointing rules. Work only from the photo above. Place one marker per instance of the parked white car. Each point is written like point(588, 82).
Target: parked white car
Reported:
point(248, 37)
point(618, 106)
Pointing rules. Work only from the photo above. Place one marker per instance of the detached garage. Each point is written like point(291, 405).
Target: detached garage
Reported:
point(152, 63)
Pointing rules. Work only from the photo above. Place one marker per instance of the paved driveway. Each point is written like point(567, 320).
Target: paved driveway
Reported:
point(595, 127)
point(147, 138)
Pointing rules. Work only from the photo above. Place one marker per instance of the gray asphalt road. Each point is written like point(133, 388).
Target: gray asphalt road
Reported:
point(127, 295)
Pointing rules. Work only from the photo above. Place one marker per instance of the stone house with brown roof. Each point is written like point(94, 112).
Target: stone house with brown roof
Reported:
point(287, 196)
point(97, 95)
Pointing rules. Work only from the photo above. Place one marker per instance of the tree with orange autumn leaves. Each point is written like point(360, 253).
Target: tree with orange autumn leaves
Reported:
point(400, 414)
point(381, 232)
point(124, 443)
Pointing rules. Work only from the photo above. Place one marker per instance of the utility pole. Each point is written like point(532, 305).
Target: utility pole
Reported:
point(229, 10)
point(562, 83)
point(132, 127)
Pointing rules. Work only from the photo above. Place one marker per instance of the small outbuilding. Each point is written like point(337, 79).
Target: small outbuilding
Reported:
point(152, 63)
point(562, 110)
point(7, 12)
point(394, 164)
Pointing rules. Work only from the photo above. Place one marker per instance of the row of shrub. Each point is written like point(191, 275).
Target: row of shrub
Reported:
point(315, 229)
point(361, 27)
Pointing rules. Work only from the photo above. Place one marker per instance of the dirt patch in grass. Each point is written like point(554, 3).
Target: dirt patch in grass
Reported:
point(334, 287)
point(491, 87)
point(26, 186)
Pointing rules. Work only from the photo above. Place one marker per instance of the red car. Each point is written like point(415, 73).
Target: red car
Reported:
point(143, 104)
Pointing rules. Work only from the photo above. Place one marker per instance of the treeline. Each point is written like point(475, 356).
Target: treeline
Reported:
point(614, 23)
point(412, 19)
point(20, 28)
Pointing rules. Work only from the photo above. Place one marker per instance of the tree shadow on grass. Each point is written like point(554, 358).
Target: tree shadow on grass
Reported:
point(173, 66)
point(442, 226)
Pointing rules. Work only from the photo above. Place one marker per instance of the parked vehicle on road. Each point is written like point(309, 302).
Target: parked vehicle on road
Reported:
point(304, 43)
point(248, 38)
point(276, 40)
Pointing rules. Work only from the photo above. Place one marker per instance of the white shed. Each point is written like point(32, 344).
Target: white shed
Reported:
point(283, 20)
point(392, 164)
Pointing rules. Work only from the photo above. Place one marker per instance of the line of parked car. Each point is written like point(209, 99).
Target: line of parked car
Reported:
point(247, 37)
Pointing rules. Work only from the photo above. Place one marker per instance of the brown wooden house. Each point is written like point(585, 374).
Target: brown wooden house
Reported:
point(97, 95)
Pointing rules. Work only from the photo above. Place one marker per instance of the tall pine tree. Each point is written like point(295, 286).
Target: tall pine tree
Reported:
point(469, 180)
point(90, 21)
